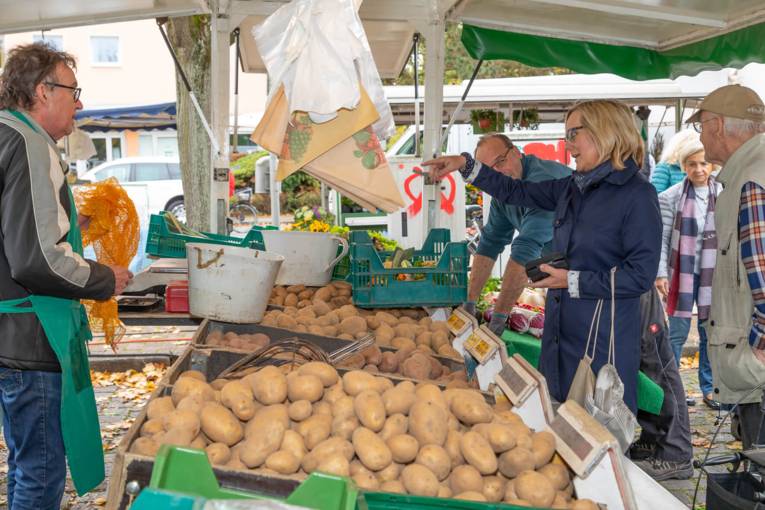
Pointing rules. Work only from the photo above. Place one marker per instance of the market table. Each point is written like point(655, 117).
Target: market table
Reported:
point(650, 394)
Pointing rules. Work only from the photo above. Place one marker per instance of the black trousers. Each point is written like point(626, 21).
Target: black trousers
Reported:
point(670, 430)
point(750, 417)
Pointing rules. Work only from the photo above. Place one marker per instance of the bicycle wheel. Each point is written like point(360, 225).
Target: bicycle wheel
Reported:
point(244, 216)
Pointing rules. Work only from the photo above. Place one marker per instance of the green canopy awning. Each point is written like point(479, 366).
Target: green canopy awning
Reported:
point(733, 49)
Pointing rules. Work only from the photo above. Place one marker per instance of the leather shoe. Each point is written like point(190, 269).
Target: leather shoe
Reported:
point(711, 403)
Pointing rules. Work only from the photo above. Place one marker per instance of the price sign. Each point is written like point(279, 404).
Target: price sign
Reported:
point(481, 348)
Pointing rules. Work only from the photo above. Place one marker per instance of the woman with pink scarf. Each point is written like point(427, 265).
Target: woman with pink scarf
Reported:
point(689, 246)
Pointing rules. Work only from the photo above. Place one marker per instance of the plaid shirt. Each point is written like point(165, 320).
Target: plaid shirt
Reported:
point(751, 225)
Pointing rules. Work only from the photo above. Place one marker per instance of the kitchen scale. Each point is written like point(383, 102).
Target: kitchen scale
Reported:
point(154, 279)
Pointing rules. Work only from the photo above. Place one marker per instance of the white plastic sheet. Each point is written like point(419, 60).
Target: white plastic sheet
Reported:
point(318, 49)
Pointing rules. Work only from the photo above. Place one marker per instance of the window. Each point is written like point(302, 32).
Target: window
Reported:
point(175, 170)
point(54, 41)
point(108, 147)
point(104, 50)
point(167, 146)
point(145, 145)
point(151, 172)
point(120, 172)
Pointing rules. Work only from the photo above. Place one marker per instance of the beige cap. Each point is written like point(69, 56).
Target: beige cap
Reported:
point(734, 101)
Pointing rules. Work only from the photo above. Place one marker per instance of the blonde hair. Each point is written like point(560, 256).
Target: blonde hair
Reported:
point(677, 144)
point(613, 131)
point(687, 151)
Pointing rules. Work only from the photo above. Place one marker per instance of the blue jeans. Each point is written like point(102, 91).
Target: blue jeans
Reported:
point(31, 402)
point(678, 334)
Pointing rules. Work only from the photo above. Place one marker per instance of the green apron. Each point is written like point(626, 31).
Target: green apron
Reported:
point(65, 323)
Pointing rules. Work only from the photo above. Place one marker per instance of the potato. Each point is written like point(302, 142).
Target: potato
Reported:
point(283, 462)
point(352, 325)
point(471, 409)
point(403, 447)
point(199, 442)
point(191, 403)
point(344, 426)
point(429, 392)
point(436, 459)
point(394, 486)
point(372, 322)
point(556, 474)
point(264, 416)
point(256, 448)
point(583, 504)
point(428, 423)
point(559, 502)
point(417, 366)
point(424, 338)
point(343, 407)
point(151, 427)
point(513, 462)
point(388, 362)
point(186, 386)
point(402, 343)
point(372, 355)
point(333, 393)
point(237, 396)
point(334, 464)
point(220, 424)
point(356, 381)
point(353, 362)
point(407, 386)
point(444, 491)
point(465, 478)
point(500, 437)
point(535, 488)
point(269, 385)
point(144, 446)
point(304, 387)
point(323, 371)
point(405, 331)
point(315, 429)
point(471, 496)
point(543, 448)
point(370, 410)
point(293, 442)
point(366, 480)
point(395, 424)
point(439, 339)
point(321, 296)
point(299, 410)
point(398, 401)
point(384, 334)
point(392, 472)
point(494, 488)
point(178, 437)
point(383, 384)
point(181, 419)
point(218, 453)
point(322, 408)
point(478, 453)
point(371, 450)
point(510, 493)
point(419, 480)
point(325, 449)
point(453, 448)
point(387, 318)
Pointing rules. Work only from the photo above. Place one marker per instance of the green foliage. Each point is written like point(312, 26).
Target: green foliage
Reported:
point(381, 242)
point(244, 168)
point(459, 65)
point(492, 285)
point(301, 190)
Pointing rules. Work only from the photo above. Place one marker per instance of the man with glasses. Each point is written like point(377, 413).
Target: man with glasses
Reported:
point(533, 227)
point(49, 411)
point(731, 121)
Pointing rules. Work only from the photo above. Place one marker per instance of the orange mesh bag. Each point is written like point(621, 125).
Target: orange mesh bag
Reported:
point(113, 230)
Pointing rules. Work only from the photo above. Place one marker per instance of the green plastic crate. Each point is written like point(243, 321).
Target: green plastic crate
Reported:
point(445, 284)
point(162, 242)
point(390, 501)
point(184, 473)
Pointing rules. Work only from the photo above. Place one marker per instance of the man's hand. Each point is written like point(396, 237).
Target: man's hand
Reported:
point(759, 354)
point(122, 278)
point(662, 285)
point(558, 278)
point(443, 166)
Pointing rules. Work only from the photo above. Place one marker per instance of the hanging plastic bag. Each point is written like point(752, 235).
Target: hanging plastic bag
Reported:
point(583, 384)
point(319, 51)
point(606, 402)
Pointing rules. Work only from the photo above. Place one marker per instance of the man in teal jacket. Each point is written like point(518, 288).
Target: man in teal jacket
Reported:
point(533, 227)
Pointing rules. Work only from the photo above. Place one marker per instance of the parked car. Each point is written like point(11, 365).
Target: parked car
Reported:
point(160, 176)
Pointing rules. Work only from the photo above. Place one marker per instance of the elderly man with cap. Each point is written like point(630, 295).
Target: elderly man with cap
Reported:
point(731, 121)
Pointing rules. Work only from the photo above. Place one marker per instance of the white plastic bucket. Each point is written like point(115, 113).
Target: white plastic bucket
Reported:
point(228, 283)
point(309, 257)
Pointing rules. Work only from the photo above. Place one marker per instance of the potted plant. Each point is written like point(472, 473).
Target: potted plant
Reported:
point(526, 119)
point(487, 121)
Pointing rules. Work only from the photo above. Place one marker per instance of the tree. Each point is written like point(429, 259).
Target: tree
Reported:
point(190, 37)
point(459, 65)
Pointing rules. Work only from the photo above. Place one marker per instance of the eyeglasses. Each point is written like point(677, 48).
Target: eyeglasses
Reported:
point(697, 125)
point(76, 91)
point(501, 159)
point(571, 133)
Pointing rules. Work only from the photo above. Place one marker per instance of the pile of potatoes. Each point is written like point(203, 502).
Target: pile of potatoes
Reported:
point(334, 294)
point(405, 439)
point(249, 342)
point(408, 361)
point(351, 323)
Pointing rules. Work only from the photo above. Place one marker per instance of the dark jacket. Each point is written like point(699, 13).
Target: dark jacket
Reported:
point(534, 226)
point(615, 222)
point(35, 257)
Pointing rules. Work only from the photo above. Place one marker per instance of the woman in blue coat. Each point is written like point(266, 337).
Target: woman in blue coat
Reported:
point(606, 215)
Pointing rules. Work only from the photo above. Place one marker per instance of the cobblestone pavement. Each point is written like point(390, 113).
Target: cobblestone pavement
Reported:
point(121, 397)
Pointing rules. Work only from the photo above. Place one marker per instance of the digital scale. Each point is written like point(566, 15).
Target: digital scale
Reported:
point(154, 279)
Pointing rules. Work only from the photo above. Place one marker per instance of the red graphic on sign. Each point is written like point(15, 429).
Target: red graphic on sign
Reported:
point(447, 202)
point(549, 151)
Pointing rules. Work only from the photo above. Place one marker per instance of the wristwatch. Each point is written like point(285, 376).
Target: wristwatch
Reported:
point(466, 170)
